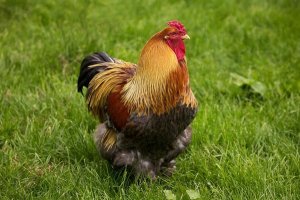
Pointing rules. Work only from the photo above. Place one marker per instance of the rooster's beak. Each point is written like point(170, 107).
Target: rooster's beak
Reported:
point(186, 36)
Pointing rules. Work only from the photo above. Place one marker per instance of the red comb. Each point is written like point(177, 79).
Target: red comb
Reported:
point(177, 24)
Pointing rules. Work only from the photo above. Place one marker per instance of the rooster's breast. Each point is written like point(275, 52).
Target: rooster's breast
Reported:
point(158, 130)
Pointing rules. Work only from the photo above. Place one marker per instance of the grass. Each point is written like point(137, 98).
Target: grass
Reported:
point(243, 147)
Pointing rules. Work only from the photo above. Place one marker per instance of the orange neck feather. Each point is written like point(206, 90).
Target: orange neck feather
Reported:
point(160, 80)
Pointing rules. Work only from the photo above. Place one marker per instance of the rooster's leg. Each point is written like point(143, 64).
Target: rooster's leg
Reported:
point(179, 145)
point(120, 156)
point(106, 153)
point(142, 166)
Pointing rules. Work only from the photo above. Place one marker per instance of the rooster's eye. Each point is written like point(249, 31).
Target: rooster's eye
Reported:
point(172, 34)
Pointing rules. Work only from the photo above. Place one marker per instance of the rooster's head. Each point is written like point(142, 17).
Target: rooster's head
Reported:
point(174, 35)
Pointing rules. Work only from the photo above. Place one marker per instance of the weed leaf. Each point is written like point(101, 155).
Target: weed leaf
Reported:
point(193, 194)
point(169, 195)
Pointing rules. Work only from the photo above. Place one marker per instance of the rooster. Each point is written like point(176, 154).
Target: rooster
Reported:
point(145, 109)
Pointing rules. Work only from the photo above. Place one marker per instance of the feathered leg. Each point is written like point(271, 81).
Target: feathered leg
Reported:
point(104, 143)
point(168, 165)
point(133, 158)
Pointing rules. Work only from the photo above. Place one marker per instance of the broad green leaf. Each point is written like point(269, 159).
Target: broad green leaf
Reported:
point(258, 87)
point(243, 82)
point(239, 80)
point(169, 195)
point(193, 194)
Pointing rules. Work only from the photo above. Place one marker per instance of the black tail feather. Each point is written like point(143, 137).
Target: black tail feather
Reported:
point(86, 73)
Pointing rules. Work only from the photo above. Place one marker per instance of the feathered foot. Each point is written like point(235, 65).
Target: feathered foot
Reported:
point(178, 146)
point(99, 137)
point(142, 165)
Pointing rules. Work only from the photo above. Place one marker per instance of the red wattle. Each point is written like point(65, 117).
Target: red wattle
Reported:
point(178, 47)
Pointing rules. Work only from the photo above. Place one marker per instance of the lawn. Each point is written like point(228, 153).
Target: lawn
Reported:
point(246, 138)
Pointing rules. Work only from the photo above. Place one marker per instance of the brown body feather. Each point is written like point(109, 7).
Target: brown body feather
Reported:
point(106, 83)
